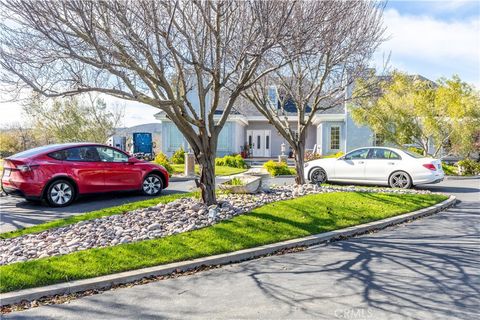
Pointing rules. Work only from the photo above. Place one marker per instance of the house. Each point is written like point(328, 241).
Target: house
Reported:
point(331, 131)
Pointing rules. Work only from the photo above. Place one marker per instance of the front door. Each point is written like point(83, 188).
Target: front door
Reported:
point(260, 142)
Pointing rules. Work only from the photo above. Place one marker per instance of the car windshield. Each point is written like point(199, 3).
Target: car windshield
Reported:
point(413, 154)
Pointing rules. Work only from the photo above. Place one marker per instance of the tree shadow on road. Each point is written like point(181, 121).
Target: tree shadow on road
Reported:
point(423, 273)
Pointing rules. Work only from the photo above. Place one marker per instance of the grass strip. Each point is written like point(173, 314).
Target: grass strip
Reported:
point(95, 214)
point(219, 170)
point(271, 223)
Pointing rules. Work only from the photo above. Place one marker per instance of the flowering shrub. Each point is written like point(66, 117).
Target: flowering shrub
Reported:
point(162, 160)
point(233, 161)
point(277, 168)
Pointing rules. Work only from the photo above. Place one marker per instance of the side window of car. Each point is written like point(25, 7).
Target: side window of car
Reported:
point(379, 154)
point(357, 154)
point(111, 155)
point(394, 156)
point(58, 155)
point(86, 154)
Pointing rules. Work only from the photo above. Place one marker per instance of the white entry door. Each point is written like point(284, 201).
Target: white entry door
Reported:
point(260, 141)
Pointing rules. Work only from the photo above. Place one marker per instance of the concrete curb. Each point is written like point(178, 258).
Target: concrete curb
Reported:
point(237, 256)
point(462, 177)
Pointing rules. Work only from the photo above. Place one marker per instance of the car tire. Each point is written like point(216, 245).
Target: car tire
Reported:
point(152, 185)
point(400, 179)
point(60, 193)
point(318, 176)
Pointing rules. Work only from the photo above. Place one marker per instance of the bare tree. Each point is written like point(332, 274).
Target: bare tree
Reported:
point(330, 47)
point(179, 56)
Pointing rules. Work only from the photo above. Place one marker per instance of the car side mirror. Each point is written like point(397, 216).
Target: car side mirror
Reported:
point(342, 158)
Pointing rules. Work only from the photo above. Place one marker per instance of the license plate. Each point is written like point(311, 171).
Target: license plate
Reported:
point(6, 173)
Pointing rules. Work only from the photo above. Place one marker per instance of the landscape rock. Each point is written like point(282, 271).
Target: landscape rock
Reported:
point(158, 221)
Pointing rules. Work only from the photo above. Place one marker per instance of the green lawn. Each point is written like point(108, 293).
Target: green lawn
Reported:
point(271, 223)
point(95, 214)
point(219, 170)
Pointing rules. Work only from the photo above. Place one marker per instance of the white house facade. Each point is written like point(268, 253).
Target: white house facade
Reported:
point(331, 131)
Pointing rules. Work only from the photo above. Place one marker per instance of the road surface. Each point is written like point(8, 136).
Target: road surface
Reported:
point(426, 269)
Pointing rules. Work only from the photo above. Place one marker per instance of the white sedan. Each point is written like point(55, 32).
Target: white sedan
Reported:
point(376, 165)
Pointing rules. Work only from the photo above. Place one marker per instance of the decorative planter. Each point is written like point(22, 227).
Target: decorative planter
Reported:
point(251, 184)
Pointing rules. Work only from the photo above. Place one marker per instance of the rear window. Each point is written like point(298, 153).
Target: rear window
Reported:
point(32, 152)
point(413, 154)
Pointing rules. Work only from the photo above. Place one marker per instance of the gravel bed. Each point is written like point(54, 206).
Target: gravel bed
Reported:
point(155, 222)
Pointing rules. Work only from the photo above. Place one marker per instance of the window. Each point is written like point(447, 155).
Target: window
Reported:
point(58, 155)
point(111, 155)
point(272, 95)
point(377, 153)
point(258, 141)
point(357, 154)
point(334, 138)
point(413, 154)
point(267, 142)
point(88, 154)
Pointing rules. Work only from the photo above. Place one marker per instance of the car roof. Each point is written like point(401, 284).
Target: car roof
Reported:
point(50, 148)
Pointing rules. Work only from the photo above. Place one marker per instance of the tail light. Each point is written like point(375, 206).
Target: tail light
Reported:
point(24, 168)
point(430, 166)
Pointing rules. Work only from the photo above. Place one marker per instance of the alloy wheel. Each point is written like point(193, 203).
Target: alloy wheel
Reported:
point(400, 180)
point(318, 176)
point(61, 193)
point(152, 185)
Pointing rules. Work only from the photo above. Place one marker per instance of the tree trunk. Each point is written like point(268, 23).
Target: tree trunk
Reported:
point(206, 162)
point(299, 163)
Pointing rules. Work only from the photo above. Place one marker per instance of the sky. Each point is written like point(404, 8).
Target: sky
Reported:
point(432, 38)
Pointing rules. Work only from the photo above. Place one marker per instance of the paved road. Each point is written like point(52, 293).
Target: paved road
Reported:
point(16, 213)
point(427, 269)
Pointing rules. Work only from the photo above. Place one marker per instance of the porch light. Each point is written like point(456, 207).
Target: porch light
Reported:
point(282, 148)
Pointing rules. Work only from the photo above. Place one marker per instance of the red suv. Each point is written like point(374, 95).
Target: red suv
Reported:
point(61, 172)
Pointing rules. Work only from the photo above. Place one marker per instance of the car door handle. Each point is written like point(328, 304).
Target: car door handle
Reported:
point(361, 162)
point(391, 163)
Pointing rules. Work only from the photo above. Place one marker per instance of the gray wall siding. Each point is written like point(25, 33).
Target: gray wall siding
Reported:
point(324, 131)
point(235, 133)
point(357, 136)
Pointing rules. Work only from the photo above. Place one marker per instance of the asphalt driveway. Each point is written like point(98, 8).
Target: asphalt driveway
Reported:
point(426, 269)
point(16, 213)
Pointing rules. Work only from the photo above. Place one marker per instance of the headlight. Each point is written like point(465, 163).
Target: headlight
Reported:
point(306, 164)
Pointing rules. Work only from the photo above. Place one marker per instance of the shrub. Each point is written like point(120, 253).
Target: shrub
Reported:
point(235, 182)
point(162, 160)
point(468, 167)
point(335, 155)
point(449, 169)
point(233, 161)
point(277, 168)
point(179, 156)
point(309, 156)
